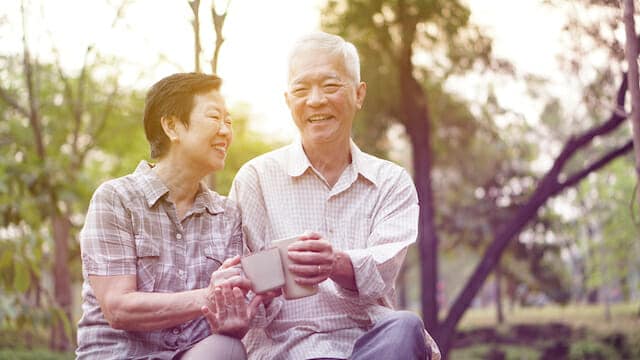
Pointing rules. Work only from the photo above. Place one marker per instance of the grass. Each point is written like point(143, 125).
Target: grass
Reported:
point(624, 317)
point(37, 354)
point(591, 335)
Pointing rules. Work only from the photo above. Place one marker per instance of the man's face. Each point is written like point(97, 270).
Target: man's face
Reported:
point(322, 97)
point(204, 143)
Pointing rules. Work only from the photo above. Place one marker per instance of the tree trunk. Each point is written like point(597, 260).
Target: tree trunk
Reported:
point(417, 125)
point(632, 63)
point(401, 288)
point(632, 73)
point(62, 281)
point(197, 48)
point(498, 295)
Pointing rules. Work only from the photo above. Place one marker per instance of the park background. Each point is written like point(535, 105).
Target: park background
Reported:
point(511, 116)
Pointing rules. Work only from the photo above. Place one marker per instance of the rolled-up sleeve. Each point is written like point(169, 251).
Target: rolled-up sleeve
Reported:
point(107, 242)
point(394, 228)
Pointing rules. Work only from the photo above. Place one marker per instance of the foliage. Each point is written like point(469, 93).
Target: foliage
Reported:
point(80, 150)
point(591, 350)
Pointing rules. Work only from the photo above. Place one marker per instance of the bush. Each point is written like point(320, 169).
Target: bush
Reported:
point(592, 350)
point(10, 354)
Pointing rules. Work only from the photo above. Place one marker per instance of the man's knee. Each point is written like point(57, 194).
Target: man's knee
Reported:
point(217, 347)
point(407, 321)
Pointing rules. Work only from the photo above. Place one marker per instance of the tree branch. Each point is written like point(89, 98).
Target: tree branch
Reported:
point(595, 166)
point(33, 113)
point(547, 187)
point(4, 94)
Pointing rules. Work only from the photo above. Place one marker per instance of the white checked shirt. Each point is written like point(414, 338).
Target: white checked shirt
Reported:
point(371, 213)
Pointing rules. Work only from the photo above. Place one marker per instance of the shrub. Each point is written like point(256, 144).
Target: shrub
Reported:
point(592, 350)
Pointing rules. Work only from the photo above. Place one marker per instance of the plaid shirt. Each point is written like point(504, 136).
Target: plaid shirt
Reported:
point(371, 213)
point(132, 228)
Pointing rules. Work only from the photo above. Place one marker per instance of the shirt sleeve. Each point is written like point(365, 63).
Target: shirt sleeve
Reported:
point(106, 241)
point(246, 192)
point(236, 242)
point(394, 228)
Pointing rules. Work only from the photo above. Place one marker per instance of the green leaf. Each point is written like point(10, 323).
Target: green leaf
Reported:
point(5, 259)
point(21, 280)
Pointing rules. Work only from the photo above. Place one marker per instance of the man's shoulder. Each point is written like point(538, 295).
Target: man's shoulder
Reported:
point(381, 168)
point(277, 157)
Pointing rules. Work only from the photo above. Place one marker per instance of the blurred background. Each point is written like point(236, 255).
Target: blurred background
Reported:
point(511, 116)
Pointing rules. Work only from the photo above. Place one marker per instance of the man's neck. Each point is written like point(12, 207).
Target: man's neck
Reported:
point(329, 159)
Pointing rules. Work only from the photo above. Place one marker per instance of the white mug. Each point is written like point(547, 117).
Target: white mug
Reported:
point(264, 269)
point(291, 290)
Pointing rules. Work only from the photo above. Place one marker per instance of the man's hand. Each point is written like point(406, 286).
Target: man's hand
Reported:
point(312, 259)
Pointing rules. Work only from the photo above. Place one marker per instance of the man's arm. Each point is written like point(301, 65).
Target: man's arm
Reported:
point(371, 271)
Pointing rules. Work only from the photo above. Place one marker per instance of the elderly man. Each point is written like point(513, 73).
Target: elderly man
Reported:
point(153, 241)
point(355, 214)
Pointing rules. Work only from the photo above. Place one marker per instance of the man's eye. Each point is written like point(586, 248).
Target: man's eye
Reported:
point(331, 88)
point(300, 91)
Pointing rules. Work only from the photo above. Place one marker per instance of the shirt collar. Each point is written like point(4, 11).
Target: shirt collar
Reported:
point(298, 162)
point(362, 165)
point(154, 189)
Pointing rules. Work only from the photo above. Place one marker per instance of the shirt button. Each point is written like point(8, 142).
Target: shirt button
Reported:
point(175, 331)
point(179, 236)
point(331, 231)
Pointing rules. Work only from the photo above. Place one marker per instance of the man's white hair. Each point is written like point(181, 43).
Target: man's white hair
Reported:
point(330, 43)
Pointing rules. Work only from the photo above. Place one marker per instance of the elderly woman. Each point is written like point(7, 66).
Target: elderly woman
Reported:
point(154, 241)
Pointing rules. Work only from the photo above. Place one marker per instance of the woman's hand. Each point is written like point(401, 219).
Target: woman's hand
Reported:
point(231, 273)
point(228, 312)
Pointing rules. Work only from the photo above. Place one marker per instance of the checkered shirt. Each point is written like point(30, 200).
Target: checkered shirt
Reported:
point(131, 228)
point(371, 213)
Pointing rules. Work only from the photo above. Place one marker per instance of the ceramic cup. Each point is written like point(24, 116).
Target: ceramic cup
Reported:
point(291, 289)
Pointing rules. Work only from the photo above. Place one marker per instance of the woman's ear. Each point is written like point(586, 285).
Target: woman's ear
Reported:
point(169, 127)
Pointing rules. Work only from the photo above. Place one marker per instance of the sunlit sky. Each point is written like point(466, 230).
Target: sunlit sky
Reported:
point(258, 35)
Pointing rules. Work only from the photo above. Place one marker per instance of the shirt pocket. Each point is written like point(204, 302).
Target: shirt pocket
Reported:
point(148, 255)
point(210, 260)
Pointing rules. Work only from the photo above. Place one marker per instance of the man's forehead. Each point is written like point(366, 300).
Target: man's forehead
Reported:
point(315, 76)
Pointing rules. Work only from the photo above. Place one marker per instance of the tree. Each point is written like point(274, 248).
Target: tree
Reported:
point(385, 33)
point(390, 36)
point(60, 129)
point(217, 19)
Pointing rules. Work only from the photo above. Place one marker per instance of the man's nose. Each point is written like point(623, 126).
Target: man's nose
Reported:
point(316, 97)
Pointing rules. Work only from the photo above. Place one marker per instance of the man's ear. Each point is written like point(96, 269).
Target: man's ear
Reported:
point(361, 92)
point(169, 127)
point(286, 99)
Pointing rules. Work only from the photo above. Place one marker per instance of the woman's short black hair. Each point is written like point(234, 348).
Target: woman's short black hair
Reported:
point(173, 97)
